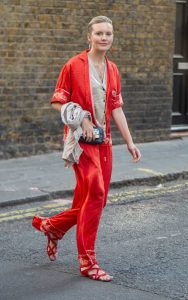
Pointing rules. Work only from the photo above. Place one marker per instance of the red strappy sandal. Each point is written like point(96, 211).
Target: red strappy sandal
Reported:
point(93, 271)
point(43, 224)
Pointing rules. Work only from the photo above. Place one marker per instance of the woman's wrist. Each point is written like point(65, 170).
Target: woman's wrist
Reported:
point(129, 142)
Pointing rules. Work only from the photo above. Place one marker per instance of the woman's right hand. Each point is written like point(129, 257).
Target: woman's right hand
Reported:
point(87, 128)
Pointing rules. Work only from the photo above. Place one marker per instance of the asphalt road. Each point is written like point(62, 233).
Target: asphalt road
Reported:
point(142, 242)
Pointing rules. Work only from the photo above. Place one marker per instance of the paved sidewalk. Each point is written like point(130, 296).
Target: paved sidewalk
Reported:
point(44, 177)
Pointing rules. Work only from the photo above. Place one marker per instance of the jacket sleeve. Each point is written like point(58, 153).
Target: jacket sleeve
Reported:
point(117, 100)
point(62, 93)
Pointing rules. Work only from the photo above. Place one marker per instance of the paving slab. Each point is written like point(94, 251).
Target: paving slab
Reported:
point(44, 177)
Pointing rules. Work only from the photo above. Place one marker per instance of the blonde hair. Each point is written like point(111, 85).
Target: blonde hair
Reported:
point(96, 20)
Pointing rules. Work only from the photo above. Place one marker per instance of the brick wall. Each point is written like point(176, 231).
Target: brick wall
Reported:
point(36, 39)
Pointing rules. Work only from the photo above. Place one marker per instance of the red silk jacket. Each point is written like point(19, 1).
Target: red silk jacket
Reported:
point(73, 84)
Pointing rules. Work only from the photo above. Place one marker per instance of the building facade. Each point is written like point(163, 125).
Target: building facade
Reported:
point(38, 37)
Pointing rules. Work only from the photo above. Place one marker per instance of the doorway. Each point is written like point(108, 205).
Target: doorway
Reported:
point(180, 69)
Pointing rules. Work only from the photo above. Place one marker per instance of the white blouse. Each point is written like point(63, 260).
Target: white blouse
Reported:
point(98, 90)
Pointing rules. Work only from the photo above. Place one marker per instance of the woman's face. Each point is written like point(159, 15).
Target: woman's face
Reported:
point(101, 36)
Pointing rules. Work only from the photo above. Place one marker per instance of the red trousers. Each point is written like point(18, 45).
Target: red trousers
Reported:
point(93, 175)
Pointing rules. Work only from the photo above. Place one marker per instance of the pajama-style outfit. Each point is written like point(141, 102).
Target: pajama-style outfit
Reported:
point(79, 82)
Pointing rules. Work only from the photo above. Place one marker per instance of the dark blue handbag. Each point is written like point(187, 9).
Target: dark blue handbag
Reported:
point(99, 133)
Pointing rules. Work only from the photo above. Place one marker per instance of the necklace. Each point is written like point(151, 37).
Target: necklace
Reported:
point(100, 68)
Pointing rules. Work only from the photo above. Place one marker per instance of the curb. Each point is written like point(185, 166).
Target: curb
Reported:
point(153, 180)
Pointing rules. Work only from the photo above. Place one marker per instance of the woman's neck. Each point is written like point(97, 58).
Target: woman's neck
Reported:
point(97, 57)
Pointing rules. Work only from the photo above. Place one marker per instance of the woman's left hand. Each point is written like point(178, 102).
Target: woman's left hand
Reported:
point(135, 152)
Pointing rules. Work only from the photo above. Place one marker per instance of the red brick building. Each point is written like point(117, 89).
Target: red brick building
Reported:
point(38, 37)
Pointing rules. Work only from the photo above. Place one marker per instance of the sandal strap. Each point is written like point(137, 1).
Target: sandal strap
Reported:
point(43, 224)
point(96, 275)
point(52, 238)
point(46, 227)
point(51, 248)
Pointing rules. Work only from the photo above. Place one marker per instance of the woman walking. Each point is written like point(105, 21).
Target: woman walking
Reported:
point(90, 82)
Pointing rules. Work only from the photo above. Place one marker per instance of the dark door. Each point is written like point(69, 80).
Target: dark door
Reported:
point(180, 87)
